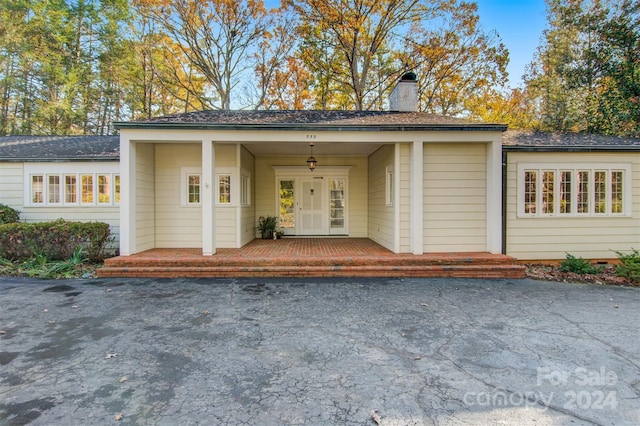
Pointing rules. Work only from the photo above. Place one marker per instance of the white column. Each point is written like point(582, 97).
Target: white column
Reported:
point(208, 198)
point(417, 198)
point(494, 196)
point(127, 196)
point(397, 178)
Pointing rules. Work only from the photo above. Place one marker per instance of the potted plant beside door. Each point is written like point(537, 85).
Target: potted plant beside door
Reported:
point(267, 226)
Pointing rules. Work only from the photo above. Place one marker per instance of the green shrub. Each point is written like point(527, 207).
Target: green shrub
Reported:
point(57, 240)
point(8, 214)
point(578, 265)
point(629, 266)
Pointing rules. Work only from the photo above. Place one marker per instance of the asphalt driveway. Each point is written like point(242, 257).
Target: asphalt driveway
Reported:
point(324, 351)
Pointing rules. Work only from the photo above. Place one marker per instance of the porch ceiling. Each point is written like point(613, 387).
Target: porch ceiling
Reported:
point(319, 148)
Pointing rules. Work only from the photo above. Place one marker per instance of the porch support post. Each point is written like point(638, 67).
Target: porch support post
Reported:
point(127, 196)
point(494, 195)
point(417, 198)
point(208, 198)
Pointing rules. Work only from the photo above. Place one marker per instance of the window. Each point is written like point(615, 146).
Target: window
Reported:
point(548, 191)
point(563, 191)
point(224, 189)
point(389, 193)
point(57, 189)
point(583, 191)
point(530, 191)
point(616, 191)
point(104, 189)
point(87, 189)
point(70, 189)
point(117, 189)
point(193, 189)
point(54, 189)
point(37, 189)
point(244, 190)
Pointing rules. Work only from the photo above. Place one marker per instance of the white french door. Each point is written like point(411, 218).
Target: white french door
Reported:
point(312, 206)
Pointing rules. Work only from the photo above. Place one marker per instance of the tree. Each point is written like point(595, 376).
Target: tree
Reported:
point(457, 63)
point(586, 73)
point(342, 39)
point(215, 36)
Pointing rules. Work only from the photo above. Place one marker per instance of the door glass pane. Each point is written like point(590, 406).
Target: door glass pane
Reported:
point(287, 213)
point(336, 202)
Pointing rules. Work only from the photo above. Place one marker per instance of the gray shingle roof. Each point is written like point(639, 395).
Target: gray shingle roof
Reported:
point(55, 148)
point(527, 140)
point(306, 119)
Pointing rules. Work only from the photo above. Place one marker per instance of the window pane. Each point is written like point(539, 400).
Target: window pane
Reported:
point(616, 192)
point(337, 202)
point(54, 189)
point(600, 191)
point(287, 213)
point(565, 192)
point(530, 191)
point(87, 189)
point(193, 189)
point(224, 189)
point(37, 189)
point(104, 189)
point(117, 185)
point(70, 189)
point(583, 192)
point(548, 180)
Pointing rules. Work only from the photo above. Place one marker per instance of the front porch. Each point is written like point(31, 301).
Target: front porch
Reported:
point(309, 257)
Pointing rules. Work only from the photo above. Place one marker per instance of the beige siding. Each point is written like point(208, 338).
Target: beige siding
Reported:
point(226, 222)
point(455, 197)
point(12, 185)
point(265, 186)
point(176, 225)
point(226, 155)
point(248, 213)
point(554, 237)
point(145, 200)
point(381, 217)
point(12, 193)
point(405, 198)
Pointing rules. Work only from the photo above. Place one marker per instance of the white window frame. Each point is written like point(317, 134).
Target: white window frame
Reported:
point(234, 188)
point(42, 190)
point(185, 172)
point(61, 171)
point(574, 168)
point(110, 185)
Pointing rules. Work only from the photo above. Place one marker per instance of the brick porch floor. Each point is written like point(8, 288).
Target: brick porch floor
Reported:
point(309, 257)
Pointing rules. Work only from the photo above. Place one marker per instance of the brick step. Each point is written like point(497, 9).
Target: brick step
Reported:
point(356, 261)
point(440, 271)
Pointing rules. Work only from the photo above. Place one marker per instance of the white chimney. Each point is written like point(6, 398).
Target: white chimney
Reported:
point(404, 97)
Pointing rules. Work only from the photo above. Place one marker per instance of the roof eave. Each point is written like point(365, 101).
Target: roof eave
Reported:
point(58, 159)
point(578, 148)
point(314, 127)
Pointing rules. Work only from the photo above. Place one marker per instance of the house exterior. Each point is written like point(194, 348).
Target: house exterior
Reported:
point(412, 182)
point(70, 177)
point(570, 193)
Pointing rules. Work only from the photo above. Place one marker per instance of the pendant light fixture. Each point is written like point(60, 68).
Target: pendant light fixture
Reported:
point(311, 161)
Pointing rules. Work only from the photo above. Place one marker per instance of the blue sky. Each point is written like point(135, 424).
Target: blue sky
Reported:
point(519, 24)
